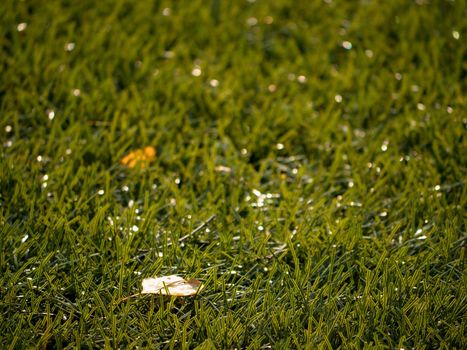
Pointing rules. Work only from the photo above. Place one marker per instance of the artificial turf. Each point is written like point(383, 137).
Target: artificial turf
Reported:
point(327, 138)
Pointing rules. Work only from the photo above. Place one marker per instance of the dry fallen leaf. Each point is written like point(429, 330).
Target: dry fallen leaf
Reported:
point(171, 285)
point(139, 157)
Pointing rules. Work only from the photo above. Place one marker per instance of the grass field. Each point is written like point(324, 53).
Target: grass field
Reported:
point(327, 138)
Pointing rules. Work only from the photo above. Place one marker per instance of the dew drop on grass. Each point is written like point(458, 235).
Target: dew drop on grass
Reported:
point(256, 193)
point(76, 92)
point(168, 54)
point(50, 114)
point(347, 45)
point(135, 228)
point(455, 34)
point(166, 12)
point(214, 83)
point(338, 98)
point(301, 79)
point(111, 222)
point(22, 26)
point(384, 146)
point(404, 158)
point(272, 88)
point(223, 169)
point(70, 47)
point(8, 128)
point(125, 188)
point(252, 21)
point(100, 192)
point(196, 72)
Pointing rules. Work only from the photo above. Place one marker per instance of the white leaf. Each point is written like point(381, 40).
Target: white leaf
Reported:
point(171, 285)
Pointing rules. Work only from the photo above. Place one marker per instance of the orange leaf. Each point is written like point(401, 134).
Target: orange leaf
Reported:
point(139, 157)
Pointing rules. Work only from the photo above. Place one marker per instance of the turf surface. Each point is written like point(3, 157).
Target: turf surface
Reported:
point(327, 138)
